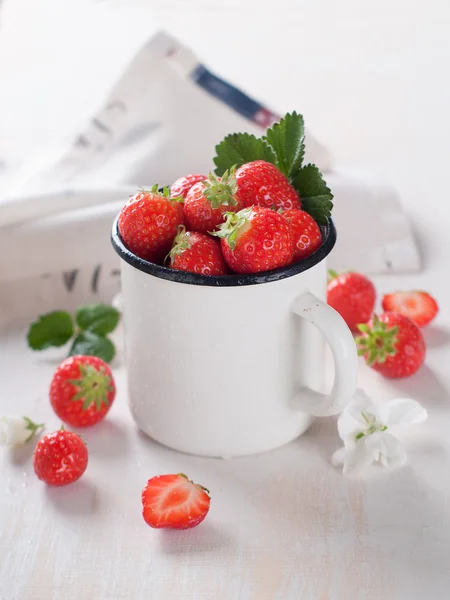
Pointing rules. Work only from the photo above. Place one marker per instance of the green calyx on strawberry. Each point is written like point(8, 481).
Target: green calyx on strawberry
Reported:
point(165, 193)
point(93, 386)
point(283, 146)
point(197, 485)
point(332, 275)
point(230, 229)
point(221, 191)
point(180, 243)
point(378, 341)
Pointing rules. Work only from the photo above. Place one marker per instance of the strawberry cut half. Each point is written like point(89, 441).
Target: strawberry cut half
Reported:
point(419, 306)
point(174, 502)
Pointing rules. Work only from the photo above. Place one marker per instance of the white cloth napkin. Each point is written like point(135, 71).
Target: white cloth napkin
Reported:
point(162, 120)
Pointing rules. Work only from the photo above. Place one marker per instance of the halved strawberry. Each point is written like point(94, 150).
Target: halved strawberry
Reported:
point(174, 502)
point(419, 306)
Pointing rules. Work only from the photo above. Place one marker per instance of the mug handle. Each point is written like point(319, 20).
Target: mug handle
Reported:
point(338, 335)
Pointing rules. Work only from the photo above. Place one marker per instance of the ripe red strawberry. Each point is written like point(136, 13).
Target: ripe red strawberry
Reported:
point(197, 253)
point(306, 233)
point(174, 502)
point(82, 390)
point(419, 306)
point(353, 296)
point(392, 344)
point(148, 223)
point(208, 201)
point(182, 185)
point(263, 184)
point(60, 458)
point(256, 239)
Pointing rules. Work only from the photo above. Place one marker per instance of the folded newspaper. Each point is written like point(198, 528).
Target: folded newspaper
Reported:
point(162, 120)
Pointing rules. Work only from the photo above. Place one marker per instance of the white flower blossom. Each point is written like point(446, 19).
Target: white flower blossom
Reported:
point(15, 430)
point(366, 430)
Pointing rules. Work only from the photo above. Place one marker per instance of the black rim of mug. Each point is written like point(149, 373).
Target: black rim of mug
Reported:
point(329, 240)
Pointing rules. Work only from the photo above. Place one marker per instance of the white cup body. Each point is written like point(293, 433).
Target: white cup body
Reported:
point(213, 370)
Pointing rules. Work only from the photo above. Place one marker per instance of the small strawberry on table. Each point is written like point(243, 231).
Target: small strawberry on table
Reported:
point(82, 390)
point(60, 458)
point(392, 344)
point(353, 296)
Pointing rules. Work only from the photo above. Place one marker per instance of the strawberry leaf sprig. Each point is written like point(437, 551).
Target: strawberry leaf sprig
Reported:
point(283, 146)
point(88, 330)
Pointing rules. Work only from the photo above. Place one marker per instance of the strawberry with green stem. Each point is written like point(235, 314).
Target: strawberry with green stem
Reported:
point(256, 239)
point(208, 201)
point(283, 146)
point(82, 390)
point(149, 221)
point(392, 344)
point(197, 253)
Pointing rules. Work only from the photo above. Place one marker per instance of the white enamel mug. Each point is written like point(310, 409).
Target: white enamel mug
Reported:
point(234, 365)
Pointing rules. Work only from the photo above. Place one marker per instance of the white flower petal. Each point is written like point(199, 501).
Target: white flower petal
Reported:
point(13, 431)
point(337, 460)
point(392, 452)
point(356, 457)
point(401, 411)
point(351, 421)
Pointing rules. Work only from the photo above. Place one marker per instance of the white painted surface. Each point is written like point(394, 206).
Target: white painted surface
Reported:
point(284, 525)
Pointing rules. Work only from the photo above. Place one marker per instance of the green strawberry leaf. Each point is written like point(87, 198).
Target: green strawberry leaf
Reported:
point(287, 138)
point(92, 344)
point(98, 318)
point(240, 148)
point(315, 195)
point(52, 329)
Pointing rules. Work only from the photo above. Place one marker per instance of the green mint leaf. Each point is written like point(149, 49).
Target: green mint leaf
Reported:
point(315, 196)
point(52, 329)
point(98, 318)
point(92, 344)
point(287, 138)
point(240, 148)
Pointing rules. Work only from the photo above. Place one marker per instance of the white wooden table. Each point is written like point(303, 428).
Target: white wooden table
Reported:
point(285, 525)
